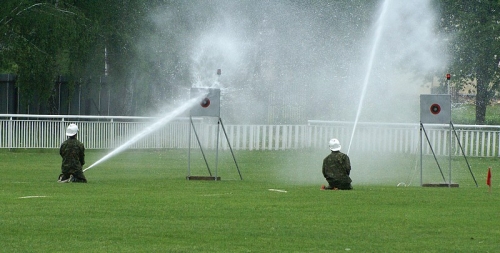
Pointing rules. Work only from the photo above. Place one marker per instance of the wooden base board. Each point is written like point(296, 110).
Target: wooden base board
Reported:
point(203, 178)
point(440, 185)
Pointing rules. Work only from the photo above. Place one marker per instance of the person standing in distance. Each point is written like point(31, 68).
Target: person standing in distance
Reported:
point(72, 152)
point(336, 168)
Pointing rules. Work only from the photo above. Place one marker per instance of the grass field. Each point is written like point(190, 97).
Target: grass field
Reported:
point(140, 201)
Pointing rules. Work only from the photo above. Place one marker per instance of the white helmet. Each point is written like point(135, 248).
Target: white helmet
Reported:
point(334, 145)
point(71, 130)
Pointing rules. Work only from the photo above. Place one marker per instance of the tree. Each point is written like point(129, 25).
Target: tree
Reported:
point(136, 75)
point(474, 26)
point(40, 40)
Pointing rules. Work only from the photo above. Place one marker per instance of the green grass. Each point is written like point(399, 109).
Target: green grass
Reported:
point(140, 201)
point(466, 114)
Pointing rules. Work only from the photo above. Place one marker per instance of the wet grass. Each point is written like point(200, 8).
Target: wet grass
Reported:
point(140, 201)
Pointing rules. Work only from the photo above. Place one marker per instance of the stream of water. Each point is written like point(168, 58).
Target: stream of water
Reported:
point(153, 127)
point(371, 60)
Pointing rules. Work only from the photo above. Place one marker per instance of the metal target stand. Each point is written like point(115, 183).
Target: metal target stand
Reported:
point(209, 107)
point(436, 109)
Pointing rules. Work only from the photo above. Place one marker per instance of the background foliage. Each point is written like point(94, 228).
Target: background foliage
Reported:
point(474, 47)
point(100, 45)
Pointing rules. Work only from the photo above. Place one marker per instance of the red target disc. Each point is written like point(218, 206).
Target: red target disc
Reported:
point(205, 103)
point(435, 109)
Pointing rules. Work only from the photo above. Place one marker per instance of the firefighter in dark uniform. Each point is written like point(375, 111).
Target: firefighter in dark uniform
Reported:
point(72, 152)
point(336, 168)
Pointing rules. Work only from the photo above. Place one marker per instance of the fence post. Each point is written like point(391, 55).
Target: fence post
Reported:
point(9, 133)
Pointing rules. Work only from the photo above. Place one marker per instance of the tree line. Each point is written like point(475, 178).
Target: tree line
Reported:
point(97, 46)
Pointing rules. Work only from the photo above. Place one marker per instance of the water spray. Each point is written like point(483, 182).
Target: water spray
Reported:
point(155, 126)
point(378, 35)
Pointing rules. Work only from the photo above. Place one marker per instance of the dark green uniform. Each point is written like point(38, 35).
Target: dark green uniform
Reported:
point(72, 152)
point(336, 170)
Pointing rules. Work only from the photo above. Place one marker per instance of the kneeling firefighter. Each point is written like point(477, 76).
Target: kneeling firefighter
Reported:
point(337, 168)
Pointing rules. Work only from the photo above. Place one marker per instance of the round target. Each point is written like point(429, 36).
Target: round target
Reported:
point(205, 103)
point(435, 109)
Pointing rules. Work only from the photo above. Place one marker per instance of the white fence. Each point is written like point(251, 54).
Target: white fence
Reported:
point(108, 132)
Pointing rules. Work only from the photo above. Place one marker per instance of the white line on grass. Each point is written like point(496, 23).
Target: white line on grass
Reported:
point(30, 197)
point(276, 190)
